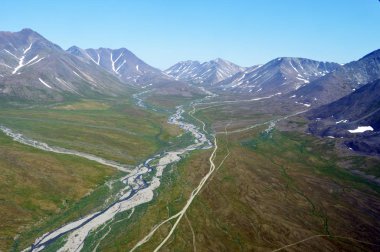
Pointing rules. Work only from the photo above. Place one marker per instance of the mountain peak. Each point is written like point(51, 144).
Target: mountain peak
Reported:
point(122, 63)
point(74, 47)
point(75, 50)
point(208, 72)
point(27, 30)
point(25, 33)
point(219, 60)
point(189, 61)
point(287, 59)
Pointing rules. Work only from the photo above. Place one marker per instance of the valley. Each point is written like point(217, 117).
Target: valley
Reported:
point(102, 152)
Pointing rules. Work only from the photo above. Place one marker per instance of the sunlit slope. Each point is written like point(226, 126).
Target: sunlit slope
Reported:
point(35, 185)
point(110, 129)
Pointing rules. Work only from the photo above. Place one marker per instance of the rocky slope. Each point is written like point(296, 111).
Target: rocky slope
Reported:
point(355, 118)
point(206, 73)
point(343, 81)
point(123, 64)
point(33, 68)
point(279, 75)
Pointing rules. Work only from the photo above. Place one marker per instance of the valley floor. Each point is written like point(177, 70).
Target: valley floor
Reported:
point(263, 186)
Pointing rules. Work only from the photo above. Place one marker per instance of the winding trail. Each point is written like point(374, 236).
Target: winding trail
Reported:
point(136, 191)
point(194, 193)
point(181, 213)
point(270, 122)
point(203, 181)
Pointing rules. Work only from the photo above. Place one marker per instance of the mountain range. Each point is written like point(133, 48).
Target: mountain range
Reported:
point(306, 81)
point(206, 73)
point(33, 68)
point(279, 75)
point(121, 63)
point(342, 81)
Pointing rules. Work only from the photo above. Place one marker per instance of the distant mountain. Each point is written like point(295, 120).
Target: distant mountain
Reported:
point(123, 64)
point(343, 81)
point(33, 68)
point(206, 73)
point(358, 109)
point(279, 75)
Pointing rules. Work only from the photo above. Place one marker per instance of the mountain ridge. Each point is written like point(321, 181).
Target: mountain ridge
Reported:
point(33, 68)
point(122, 63)
point(343, 81)
point(205, 73)
point(283, 74)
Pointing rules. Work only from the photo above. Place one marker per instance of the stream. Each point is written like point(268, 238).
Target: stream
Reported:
point(136, 189)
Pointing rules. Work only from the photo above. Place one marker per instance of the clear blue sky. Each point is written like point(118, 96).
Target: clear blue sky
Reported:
point(247, 32)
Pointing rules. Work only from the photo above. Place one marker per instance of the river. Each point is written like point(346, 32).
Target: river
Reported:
point(136, 190)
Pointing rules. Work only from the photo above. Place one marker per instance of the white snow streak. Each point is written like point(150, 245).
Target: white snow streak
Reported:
point(20, 64)
point(341, 121)
point(30, 61)
point(290, 62)
point(35, 61)
point(67, 85)
point(47, 85)
point(21, 59)
point(78, 75)
point(117, 69)
point(96, 62)
point(361, 129)
point(114, 62)
point(88, 77)
point(27, 49)
point(3, 64)
point(305, 104)
point(10, 53)
point(302, 79)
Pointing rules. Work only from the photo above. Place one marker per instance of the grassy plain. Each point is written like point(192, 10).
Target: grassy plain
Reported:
point(112, 129)
point(37, 185)
point(42, 190)
point(273, 190)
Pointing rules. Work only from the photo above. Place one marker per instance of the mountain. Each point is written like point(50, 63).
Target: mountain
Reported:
point(279, 75)
point(358, 109)
point(123, 64)
point(33, 68)
point(342, 81)
point(206, 73)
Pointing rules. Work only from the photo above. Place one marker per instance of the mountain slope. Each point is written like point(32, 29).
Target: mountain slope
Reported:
point(123, 64)
point(31, 67)
point(279, 75)
point(342, 81)
point(358, 109)
point(206, 73)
